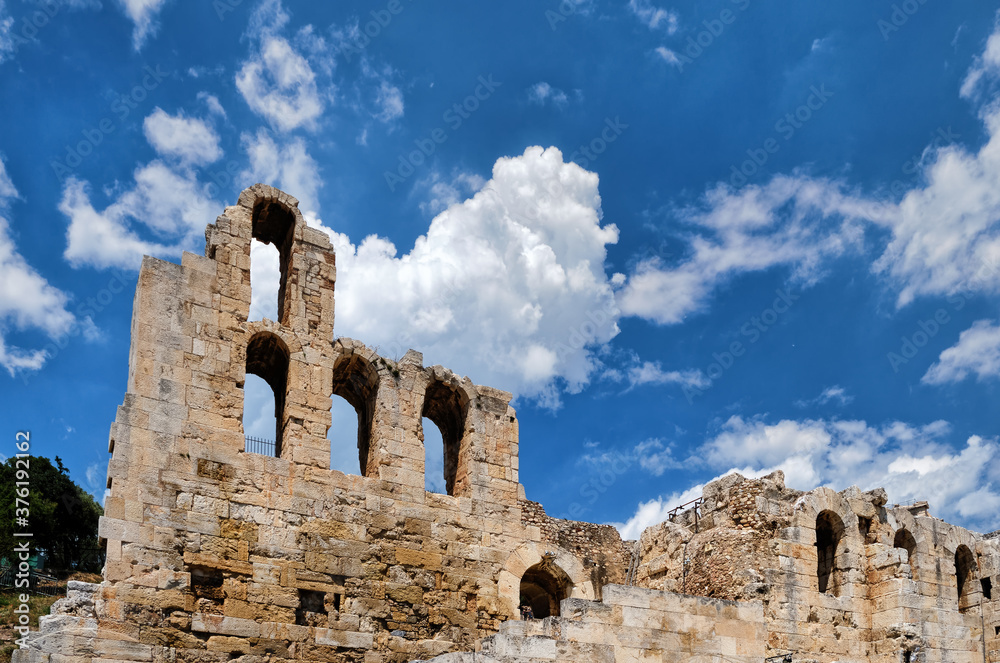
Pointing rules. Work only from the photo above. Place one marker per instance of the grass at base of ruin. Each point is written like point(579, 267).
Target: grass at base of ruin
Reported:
point(37, 606)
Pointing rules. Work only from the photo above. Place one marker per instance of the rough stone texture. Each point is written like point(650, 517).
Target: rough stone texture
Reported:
point(216, 554)
point(757, 539)
point(633, 624)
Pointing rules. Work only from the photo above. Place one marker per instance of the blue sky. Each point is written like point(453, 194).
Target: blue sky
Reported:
point(690, 237)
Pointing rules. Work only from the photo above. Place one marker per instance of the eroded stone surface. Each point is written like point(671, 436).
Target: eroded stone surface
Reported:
point(216, 554)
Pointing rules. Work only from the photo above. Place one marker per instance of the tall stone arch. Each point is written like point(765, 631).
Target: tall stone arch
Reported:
point(534, 554)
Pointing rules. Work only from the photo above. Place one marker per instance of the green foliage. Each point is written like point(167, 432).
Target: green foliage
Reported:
point(62, 519)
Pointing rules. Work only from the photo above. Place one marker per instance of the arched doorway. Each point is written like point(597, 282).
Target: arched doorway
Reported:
point(829, 531)
point(905, 541)
point(965, 573)
point(543, 586)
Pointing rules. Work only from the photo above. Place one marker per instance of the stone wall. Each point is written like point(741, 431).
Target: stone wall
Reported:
point(599, 547)
point(632, 624)
point(215, 554)
point(756, 539)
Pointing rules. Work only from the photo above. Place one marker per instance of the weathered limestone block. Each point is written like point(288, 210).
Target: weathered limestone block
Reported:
point(215, 553)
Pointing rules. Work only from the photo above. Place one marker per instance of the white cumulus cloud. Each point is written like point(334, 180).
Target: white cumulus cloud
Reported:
point(669, 55)
point(943, 234)
point(507, 286)
point(163, 212)
point(652, 373)
point(27, 299)
point(190, 140)
point(910, 462)
point(985, 67)
point(976, 353)
point(277, 81)
point(286, 164)
point(792, 221)
point(389, 100)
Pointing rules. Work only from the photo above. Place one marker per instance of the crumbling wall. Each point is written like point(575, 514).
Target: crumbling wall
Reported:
point(599, 547)
point(215, 554)
point(756, 539)
point(722, 550)
point(632, 624)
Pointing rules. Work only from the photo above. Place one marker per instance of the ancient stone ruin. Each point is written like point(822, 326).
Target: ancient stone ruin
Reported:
point(216, 553)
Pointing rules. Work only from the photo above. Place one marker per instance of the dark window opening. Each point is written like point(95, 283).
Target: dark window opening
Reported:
point(447, 409)
point(543, 586)
point(829, 531)
point(207, 587)
point(987, 584)
point(356, 382)
point(965, 565)
point(996, 630)
point(206, 583)
point(267, 359)
point(273, 223)
point(907, 656)
point(864, 527)
point(312, 609)
point(335, 598)
point(905, 541)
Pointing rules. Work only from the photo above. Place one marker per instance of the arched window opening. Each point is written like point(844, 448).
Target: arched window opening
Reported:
point(446, 410)
point(965, 567)
point(433, 458)
point(905, 541)
point(259, 421)
point(543, 586)
point(829, 531)
point(272, 223)
point(267, 359)
point(355, 387)
point(343, 436)
point(265, 280)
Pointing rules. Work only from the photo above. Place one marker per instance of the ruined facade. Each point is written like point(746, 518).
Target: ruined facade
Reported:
point(216, 553)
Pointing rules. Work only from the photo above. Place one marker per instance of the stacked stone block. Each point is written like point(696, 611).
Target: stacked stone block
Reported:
point(215, 554)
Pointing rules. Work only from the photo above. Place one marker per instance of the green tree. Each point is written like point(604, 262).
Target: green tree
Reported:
point(62, 518)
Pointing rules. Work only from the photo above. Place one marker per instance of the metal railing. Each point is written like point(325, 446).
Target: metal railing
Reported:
point(633, 566)
point(256, 445)
point(38, 583)
point(697, 502)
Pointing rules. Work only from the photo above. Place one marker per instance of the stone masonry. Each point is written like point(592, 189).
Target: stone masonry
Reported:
point(217, 554)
